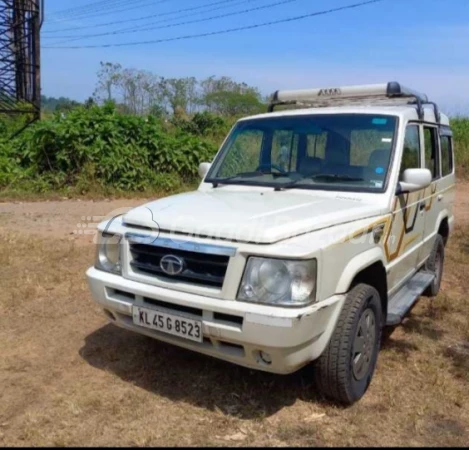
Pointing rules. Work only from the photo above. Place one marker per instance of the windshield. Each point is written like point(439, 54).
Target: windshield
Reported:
point(340, 152)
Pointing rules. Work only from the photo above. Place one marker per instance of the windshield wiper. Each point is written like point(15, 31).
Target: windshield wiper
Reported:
point(325, 176)
point(219, 181)
point(336, 177)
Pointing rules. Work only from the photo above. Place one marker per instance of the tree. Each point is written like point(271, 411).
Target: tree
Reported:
point(52, 104)
point(140, 92)
point(137, 91)
point(89, 103)
point(67, 106)
point(181, 94)
point(227, 97)
point(108, 78)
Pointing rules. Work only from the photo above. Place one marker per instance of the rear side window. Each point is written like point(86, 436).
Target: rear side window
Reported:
point(446, 155)
point(411, 154)
point(431, 151)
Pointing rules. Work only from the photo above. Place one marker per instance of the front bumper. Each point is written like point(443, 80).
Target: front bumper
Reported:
point(233, 331)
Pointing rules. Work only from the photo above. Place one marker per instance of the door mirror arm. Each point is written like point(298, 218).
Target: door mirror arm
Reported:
point(399, 190)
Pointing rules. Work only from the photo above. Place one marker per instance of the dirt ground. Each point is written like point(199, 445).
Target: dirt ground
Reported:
point(68, 377)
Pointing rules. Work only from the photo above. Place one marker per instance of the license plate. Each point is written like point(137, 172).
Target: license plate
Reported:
point(168, 323)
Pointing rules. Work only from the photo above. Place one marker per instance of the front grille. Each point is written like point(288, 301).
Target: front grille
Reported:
point(200, 268)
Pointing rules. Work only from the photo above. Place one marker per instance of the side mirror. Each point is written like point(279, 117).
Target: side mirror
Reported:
point(203, 169)
point(414, 180)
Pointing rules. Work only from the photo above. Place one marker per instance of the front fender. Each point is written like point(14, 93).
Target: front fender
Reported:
point(356, 265)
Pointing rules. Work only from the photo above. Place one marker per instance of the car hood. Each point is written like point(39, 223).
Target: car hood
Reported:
point(262, 217)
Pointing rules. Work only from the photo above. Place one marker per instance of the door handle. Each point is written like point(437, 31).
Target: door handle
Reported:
point(422, 206)
point(440, 197)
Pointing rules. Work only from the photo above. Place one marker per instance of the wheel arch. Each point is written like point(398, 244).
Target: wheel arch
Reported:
point(369, 268)
point(444, 229)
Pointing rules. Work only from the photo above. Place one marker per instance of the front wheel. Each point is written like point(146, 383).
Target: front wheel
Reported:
point(345, 369)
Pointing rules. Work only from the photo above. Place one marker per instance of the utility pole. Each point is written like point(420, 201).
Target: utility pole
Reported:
point(20, 67)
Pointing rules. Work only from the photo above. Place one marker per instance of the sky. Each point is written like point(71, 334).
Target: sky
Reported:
point(424, 44)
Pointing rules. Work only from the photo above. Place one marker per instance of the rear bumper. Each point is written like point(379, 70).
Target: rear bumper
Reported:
point(233, 331)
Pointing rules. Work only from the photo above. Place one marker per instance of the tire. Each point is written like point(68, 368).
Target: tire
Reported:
point(337, 372)
point(387, 332)
point(435, 265)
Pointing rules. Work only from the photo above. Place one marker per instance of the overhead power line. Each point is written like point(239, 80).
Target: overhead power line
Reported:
point(224, 3)
point(67, 11)
point(229, 30)
point(145, 27)
point(105, 11)
point(105, 5)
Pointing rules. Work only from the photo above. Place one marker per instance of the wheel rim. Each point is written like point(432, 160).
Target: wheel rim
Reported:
point(364, 344)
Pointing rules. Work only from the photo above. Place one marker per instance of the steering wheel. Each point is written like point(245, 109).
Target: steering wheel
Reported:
point(271, 166)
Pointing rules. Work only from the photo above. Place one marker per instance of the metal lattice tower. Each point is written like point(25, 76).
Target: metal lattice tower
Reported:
point(20, 74)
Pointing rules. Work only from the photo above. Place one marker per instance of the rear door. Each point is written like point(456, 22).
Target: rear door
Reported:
point(447, 184)
point(439, 197)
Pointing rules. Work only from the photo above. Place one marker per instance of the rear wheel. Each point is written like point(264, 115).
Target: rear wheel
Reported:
point(434, 265)
point(345, 369)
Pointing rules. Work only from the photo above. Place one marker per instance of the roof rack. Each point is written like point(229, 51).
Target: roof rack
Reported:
point(385, 93)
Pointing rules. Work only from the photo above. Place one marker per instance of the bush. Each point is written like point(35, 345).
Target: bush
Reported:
point(10, 169)
point(99, 149)
point(460, 126)
point(99, 146)
point(210, 126)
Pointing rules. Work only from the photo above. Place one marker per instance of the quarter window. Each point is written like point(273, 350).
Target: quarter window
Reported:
point(431, 151)
point(446, 155)
point(411, 154)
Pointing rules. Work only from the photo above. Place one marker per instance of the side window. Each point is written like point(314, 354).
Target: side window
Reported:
point(316, 145)
point(446, 155)
point(431, 151)
point(411, 154)
point(284, 149)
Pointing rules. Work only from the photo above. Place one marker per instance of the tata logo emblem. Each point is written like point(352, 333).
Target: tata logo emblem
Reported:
point(172, 265)
point(329, 92)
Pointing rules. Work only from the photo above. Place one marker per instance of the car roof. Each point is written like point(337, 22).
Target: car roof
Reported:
point(408, 112)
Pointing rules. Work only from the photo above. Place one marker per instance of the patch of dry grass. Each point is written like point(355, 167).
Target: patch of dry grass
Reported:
point(69, 378)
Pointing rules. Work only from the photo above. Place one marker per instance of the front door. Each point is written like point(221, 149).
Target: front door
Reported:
point(405, 237)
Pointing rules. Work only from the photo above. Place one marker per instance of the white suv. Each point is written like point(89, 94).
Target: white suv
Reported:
point(313, 230)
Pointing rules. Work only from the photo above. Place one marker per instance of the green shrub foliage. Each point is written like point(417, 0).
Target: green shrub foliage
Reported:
point(100, 145)
point(102, 148)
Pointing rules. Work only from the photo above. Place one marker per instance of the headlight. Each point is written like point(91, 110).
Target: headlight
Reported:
point(279, 282)
point(108, 253)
